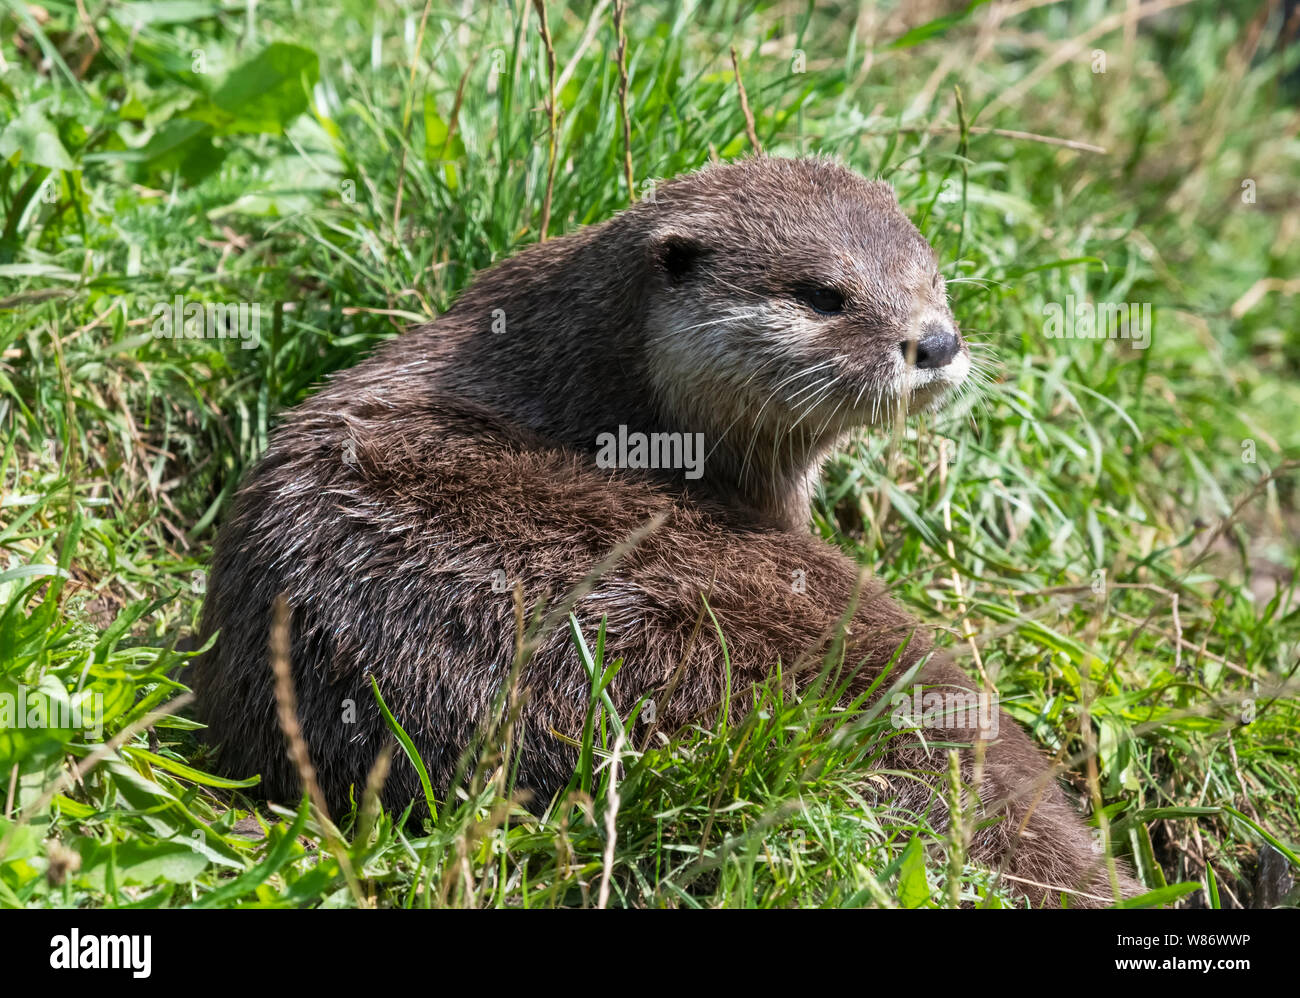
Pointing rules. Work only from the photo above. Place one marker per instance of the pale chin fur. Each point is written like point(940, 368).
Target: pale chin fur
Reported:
point(915, 390)
point(929, 387)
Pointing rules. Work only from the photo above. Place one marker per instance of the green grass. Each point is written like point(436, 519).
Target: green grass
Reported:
point(1158, 476)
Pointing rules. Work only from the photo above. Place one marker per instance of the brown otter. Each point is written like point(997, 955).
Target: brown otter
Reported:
point(769, 305)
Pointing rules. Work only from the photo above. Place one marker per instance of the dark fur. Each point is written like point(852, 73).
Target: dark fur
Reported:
point(473, 455)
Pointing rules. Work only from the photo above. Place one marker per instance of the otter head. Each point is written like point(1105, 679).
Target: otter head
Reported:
point(788, 302)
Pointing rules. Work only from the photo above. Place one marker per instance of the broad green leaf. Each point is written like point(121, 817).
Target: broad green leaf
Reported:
point(34, 137)
point(913, 885)
point(139, 861)
point(268, 91)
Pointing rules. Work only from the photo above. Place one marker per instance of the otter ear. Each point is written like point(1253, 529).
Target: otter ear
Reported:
point(676, 253)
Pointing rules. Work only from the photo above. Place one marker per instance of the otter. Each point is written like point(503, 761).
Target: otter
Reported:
point(766, 308)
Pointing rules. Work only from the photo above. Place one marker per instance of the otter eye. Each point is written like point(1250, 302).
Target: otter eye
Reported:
point(822, 299)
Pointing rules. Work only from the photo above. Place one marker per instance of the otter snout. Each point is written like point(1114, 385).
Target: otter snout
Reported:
point(937, 345)
point(934, 360)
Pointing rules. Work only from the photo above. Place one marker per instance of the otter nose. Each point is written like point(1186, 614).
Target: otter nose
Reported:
point(937, 346)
